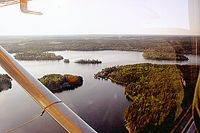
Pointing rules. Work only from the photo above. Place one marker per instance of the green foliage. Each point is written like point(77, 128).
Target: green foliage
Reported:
point(52, 80)
point(37, 56)
point(4, 77)
point(58, 82)
point(5, 82)
point(66, 61)
point(154, 97)
point(156, 92)
point(163, 53)
point(181, 44)
point(88, 61)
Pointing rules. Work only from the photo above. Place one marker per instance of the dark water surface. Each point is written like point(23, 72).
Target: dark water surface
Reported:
point(100, 103)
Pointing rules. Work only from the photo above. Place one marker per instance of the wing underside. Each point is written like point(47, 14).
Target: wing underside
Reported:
point(23, 6)
point(8, 2)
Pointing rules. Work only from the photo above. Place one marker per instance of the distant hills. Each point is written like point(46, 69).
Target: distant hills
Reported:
point(180, 44)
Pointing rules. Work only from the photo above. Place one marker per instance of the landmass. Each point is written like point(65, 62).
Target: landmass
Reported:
point(59, 83)
point(157, 93)
point(5, 82)
point(181, 44)
point(163, 54)
point(66, 61)
point(37, 56)
point(88, 61)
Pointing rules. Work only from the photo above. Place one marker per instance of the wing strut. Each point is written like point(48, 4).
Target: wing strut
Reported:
point(24, 8)
point(70, 121)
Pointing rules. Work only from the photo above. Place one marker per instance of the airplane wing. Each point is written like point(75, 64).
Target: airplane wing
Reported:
point(70, 121)
point(8, 2)
point(23, 5)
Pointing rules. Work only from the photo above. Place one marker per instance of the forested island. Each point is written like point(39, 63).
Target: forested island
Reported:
point(5, 82)
point(66, 61)
point(37, 56)
point(160, 53)
point(88, 61)
point(158, 93)
point(59, 83)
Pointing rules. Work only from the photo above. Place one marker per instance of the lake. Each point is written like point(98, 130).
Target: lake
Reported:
point(100, 103)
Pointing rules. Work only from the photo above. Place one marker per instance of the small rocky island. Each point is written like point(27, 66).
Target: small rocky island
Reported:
point(163, 54)
point(37, 56)
point(5, 82)
point(66, 61)
point(59, 83)
point(158, 93)
point(88, 61)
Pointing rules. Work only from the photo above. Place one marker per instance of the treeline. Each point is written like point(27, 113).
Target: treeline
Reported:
point(88, 61)
point(37, 56)
point(163, 53)
point(181, 44)
point(157, 93)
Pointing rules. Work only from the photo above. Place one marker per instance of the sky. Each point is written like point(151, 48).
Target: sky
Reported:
point(64, 17)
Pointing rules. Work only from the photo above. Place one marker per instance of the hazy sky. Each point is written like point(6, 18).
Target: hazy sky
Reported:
point(62, 17)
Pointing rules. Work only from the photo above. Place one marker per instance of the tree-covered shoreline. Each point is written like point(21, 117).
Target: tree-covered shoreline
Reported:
point(163, 53)
point(5, 82)
point(158, 93)
point(181, 44)
point(88, 61)
point(37, 56)
point(164, 56)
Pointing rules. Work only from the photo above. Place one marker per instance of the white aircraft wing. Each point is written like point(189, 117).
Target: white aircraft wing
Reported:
point(23, 6)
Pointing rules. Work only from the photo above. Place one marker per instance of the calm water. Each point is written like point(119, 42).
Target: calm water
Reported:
point(100, 103)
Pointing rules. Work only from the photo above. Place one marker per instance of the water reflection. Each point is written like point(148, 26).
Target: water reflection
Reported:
point(5, 82)
point(87, 101)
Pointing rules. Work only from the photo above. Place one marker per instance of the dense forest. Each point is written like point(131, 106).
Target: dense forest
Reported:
point(163, 53)
point(5, 82)
point(37, 56)
point(158, 93)
point(66, 61)
point(88, 61)
point(58, 82)
point(181, 44)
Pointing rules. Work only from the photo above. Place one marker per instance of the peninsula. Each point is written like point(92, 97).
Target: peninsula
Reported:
point(158, 93)
point(160, 54)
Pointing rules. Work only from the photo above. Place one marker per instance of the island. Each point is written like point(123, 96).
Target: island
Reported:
point(59, 83)
point(157, 93)
point(88, 61)
point(37, 56)
point(163, 54)
point(5, 82)
point(66, 61)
